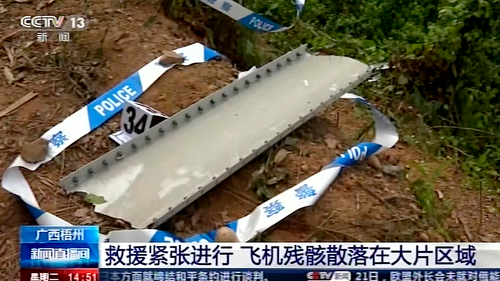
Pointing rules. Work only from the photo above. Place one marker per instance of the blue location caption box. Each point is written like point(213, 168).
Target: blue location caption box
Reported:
point(59, 246)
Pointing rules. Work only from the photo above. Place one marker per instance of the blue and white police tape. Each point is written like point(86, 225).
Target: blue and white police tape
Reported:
point(248, 18)
point(89, 118)
point(279, 207)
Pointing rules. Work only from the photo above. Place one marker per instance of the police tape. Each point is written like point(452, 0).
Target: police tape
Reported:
point(263, 217)
point(89, 118)
point(250, 19)
point(304, 194)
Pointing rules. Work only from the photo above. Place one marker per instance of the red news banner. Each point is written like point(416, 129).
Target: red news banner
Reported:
point(77, 274)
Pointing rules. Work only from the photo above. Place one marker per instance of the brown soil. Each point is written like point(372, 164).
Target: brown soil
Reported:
point(362, 205)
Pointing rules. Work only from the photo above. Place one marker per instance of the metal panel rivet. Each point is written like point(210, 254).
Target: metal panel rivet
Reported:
point(75, 179)
point(161, 130)
point(253, 150)
point(134, 146)
point(289, 125)
point(105, 162)
point(310, 110)
point(169, 208)
point(200, 108)
point(299, 54)
point(188, 116)
point(258, 76)
point(331, 96)
point(227, 168)
point(289, 60)
point(90, 171)
point(185, 198)
point(278, 65)
point(148, 138)
point(269, 70)
point(240, 159)
point(214, 178)
point(236, 89)
point(247, 82)
point(212, 101)
point(119, 155)
point(199, 187)
point(265, 141)
point(224, 95)
point(174, 122)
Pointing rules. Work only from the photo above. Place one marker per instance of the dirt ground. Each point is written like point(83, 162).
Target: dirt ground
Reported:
point(363, 204)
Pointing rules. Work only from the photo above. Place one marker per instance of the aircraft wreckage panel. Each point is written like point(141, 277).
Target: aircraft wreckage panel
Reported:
point(163, 174)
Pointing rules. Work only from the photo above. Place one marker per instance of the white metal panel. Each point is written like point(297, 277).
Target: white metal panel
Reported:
point(196, 149)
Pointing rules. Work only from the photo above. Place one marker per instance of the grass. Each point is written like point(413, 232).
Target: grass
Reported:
point(435, 209)
point(394, 94)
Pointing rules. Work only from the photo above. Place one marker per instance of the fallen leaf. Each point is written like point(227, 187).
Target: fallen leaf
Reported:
point(29, 43)
point(81, 212)
point(402, 79)
point(20, 76)
point(290, 141)
point(195, 218)
point(304, 152)
point(43, 4)
point(10, 55)
point(396, 171)
point(225, 217)
point(8, 75)
point(263, 192)
point(121, 223)
point(40, 5)
point(94, 199)
point(122, 35)
point(258, 174)
point(3, 249)
point(332, 143)
point(439, 194)
point(276, 179)
point(280, 155)
point(179, 226)
point(87, 221)
point(374, 162)
point(491, 209)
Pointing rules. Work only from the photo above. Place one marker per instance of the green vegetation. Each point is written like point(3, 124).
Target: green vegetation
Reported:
point(425, 194)
point(446, 55)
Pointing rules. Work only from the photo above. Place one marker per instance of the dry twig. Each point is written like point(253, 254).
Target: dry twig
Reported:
point(324, 229)
point(9, 35)
point(323, 223)
point(466, 230)
point(371, 192)
point(18, 103)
